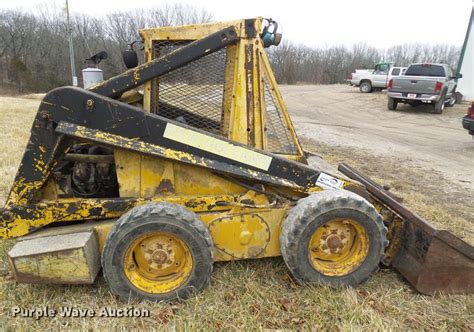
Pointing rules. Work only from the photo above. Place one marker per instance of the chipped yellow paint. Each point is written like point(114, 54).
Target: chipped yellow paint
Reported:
point(238, 113)
point(229, 82)
point(189, 32)
point(40, 165)
point(147, 54)
point(48, 212)
point(19, 190)
point(258, 95)
point(217, 146)
point(136, 75)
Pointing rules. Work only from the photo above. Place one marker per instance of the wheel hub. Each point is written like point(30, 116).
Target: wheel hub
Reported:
point(334, 242)
point(334, 239)
point(338, 247)
point(158, 262)
point(158, 254)
point(159, 257)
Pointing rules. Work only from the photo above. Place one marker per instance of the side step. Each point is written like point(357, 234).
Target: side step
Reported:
point(431, 260)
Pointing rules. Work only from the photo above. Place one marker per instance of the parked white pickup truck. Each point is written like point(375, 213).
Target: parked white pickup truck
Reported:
point(369, 80)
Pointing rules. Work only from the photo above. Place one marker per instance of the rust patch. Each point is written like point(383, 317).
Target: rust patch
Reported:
point(165, 187)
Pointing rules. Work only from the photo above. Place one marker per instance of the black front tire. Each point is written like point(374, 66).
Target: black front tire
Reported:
point(392, 104)
point(314, 212)
point(451, 100)
point(158, 217)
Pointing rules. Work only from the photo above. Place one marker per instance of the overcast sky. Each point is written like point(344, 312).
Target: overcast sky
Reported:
point(380, 23)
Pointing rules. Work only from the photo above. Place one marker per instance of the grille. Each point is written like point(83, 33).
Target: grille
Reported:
point(192, 94)
point(279, 139)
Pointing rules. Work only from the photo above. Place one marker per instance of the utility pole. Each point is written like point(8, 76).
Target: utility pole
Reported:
point(71, 47)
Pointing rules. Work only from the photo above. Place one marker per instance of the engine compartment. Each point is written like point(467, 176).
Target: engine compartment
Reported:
point(87, 170)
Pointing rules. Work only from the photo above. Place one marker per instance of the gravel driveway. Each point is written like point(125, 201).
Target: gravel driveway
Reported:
point(340, 115)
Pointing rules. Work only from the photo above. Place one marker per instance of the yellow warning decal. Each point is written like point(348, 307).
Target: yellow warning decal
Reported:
point(217, 146)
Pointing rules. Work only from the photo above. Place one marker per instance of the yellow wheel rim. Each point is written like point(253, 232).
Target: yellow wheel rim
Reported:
point(338, 247)
point(158, 262)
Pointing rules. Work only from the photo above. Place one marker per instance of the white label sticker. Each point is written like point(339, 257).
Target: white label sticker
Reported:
point(217, 146)
point(327, 181)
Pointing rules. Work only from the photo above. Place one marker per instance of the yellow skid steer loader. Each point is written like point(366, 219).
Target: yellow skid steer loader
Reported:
point(191, 158)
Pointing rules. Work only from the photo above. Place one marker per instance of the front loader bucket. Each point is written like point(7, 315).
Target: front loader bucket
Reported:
point(431, 260)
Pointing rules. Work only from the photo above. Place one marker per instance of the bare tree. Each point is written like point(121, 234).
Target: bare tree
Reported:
point(33, 45)
point(301, 64)
point(34, 54)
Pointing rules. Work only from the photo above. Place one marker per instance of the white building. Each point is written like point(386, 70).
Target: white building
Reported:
point(466, 63)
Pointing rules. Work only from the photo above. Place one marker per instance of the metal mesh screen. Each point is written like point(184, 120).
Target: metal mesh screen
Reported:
point(192, 94)
point(279, 139)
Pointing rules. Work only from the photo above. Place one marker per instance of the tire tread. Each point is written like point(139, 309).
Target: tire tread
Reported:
point(319, 203)
point(161, 209)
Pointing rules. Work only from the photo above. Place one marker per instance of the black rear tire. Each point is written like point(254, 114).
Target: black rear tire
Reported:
point(161, 218)
point(365, 87)
point(392, 104)
point(314, 212)
point(439, 106)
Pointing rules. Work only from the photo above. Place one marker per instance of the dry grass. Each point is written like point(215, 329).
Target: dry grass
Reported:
point(249, 294)
point(16, 117)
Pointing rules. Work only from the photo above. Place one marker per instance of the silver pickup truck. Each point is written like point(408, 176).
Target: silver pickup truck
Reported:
point(423, 83)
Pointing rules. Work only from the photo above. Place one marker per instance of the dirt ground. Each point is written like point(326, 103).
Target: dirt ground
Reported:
point(418, 154)
point(341, 116)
